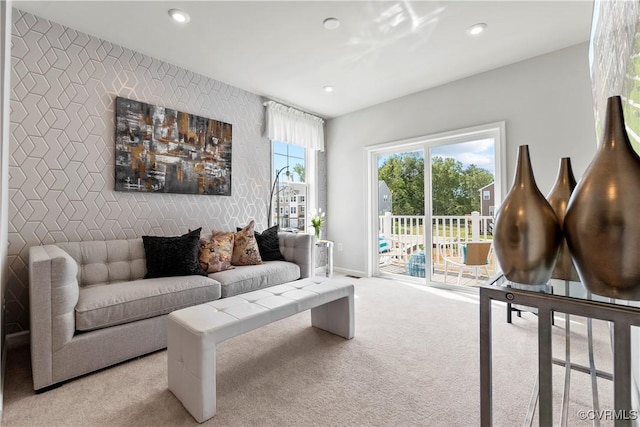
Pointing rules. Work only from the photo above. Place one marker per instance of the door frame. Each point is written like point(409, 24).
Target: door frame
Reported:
point(496, 130)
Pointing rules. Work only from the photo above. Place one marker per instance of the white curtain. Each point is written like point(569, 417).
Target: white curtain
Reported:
point(292, 126)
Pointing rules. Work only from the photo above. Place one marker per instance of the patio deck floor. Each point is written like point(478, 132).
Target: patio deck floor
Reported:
point(452, 277)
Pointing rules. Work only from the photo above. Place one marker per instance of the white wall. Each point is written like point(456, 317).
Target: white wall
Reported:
point(546, 103)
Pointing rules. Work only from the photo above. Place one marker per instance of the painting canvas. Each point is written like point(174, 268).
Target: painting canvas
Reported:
point(160, 150)
point(614, 58)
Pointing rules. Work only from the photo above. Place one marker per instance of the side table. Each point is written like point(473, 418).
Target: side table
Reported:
point(622, 317)
point(329, 266)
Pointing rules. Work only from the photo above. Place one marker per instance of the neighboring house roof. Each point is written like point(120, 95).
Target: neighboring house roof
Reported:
point(487, 186)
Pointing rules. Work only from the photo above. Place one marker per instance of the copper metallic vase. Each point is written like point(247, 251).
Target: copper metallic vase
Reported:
point(558, 198)
point(527, 233)
point(602, 223)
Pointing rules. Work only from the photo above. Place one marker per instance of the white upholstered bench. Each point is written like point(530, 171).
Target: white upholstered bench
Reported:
point(194, 332)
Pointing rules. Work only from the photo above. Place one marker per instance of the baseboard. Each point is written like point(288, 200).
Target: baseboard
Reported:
point(11, 341)
point(349, 271)
point(16, 340)
point(4, 364)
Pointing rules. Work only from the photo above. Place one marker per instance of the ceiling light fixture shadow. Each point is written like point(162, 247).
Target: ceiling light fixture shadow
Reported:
point(331, 23)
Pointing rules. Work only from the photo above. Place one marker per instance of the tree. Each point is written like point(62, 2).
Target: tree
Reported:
point(298, 169)
point(455, 190)
point(445, 182)
point(404, 175)
point(473, 179)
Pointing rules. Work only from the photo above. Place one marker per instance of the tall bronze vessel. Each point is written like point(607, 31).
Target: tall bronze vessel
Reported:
point(602, 224)
point(527, 233)
point(558, 198)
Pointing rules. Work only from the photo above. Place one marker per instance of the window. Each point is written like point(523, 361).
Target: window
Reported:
point(292, 156)
point(293, 184)
point(486, 195)
point(491, 210)
point(296, 137)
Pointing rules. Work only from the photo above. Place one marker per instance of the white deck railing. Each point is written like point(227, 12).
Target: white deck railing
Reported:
point(405, 233)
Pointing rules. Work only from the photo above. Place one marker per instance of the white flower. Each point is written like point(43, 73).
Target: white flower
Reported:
point(317, 218)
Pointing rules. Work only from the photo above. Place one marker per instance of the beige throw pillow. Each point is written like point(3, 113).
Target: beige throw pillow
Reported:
point(216, 253)
point(245, 247)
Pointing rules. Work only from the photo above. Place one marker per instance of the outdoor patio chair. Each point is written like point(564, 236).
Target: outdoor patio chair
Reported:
point(384, 250)
point(471, 255)
point(388, 251)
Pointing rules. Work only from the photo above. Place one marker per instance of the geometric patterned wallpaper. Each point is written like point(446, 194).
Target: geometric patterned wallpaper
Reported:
point(64, 84)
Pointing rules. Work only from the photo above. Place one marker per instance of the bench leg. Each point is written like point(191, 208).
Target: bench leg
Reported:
point(192, 371)
point(336, 317)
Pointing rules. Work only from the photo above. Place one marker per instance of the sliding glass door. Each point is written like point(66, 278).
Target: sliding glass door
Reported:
point(401, 207)
point(463, 205)
point(431, 198)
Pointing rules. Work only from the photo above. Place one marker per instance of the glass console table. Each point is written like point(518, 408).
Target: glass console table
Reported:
point(328, 244)
point(547, 301)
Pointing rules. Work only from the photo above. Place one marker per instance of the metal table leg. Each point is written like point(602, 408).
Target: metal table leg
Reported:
point(486, 387)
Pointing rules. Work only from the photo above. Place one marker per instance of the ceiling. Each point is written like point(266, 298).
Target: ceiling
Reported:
point(381, 50)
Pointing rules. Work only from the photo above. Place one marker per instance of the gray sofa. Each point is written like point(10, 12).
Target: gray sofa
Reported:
point(91, 308)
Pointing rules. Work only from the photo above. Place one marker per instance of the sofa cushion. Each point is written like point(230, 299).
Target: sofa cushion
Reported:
point(252, 277)
point(101, 262)
point(101, 306)
point(173, 256)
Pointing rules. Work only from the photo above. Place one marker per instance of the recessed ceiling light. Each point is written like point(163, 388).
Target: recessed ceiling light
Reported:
point(476, 29)
point(328, 88)
point(331, 23)
point(179, 16)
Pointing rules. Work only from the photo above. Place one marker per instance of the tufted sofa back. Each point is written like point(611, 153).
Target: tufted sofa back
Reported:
point(101, 262)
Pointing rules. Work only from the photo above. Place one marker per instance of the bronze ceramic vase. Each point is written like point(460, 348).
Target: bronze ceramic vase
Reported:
point(558, 199)
point(527, 233)
point(602, 223)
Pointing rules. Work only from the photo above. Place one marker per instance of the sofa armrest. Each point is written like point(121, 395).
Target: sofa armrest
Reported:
point(299, 249)
point(53, 295)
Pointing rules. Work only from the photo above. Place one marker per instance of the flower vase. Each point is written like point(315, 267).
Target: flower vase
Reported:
point(601, 224)
point(527, 233)
point(558, 198)
point(318, 232)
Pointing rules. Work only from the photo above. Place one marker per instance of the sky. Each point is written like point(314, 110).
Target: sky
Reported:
point(480, 153)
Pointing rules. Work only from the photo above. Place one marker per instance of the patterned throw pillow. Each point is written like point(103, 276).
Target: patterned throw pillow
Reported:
point(172, 256)
point(215, 254)
point(245, 247)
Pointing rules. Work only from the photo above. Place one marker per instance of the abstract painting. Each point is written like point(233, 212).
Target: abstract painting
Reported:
point(614, 59)
point(160, 150)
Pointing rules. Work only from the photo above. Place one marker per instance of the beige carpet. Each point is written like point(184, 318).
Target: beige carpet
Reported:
point(414, 361)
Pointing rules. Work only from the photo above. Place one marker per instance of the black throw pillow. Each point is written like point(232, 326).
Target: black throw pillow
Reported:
point(173, 256)
point(268, 244)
